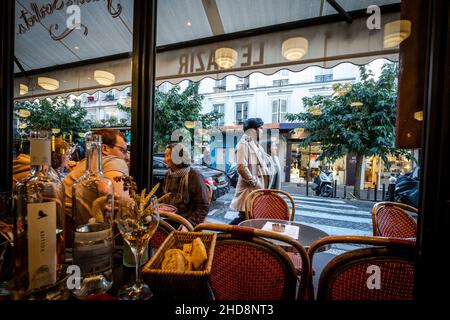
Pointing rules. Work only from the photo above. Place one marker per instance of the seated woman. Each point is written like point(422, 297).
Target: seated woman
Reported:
point(189, 193)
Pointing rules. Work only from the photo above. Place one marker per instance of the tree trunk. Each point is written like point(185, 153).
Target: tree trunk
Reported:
point(357, 186)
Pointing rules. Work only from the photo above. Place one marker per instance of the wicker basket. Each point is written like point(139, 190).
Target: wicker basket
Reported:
point(172, 284)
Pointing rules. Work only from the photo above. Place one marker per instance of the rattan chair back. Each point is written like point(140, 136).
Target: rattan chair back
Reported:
point(247, 266)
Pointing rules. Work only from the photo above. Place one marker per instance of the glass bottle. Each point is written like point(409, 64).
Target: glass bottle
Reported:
point(92, 214)
point(39, 220)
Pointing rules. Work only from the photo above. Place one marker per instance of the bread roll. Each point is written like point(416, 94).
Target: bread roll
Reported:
point(198, 254)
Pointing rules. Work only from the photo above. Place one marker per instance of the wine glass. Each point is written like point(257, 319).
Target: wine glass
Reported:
point(137, 225)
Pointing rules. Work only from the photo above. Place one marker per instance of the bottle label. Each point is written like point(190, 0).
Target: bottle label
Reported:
point(40, 152)
point(41, 244)
point(93, 251)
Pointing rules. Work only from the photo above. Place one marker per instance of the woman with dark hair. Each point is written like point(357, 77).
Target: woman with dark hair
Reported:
point(188, 191)
point(251, 165)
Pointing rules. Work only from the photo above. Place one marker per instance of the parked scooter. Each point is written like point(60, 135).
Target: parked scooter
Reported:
point(407, 188)
point(323, 183)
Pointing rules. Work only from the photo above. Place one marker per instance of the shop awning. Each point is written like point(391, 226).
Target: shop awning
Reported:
point(43, 41)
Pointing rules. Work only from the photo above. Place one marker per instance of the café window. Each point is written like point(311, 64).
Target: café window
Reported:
point(241, 112)
point(220, 108)
point(279, 109)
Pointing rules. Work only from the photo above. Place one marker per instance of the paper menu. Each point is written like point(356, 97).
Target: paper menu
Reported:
point(290, 230)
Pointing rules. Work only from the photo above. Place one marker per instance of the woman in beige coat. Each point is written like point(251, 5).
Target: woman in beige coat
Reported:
point(251, 166)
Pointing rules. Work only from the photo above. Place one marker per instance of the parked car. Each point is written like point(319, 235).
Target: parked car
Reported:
point(216, 179)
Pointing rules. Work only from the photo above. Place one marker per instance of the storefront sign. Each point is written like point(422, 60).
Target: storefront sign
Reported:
point(28, 18)
point(200, 61)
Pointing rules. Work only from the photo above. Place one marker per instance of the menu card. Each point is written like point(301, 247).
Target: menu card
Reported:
point(289, 230)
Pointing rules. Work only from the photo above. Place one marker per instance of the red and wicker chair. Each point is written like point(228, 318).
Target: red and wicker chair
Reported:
point(165, 228)
point(268, 204)
point(390, 219)
point(247, 266)
point(346, 277)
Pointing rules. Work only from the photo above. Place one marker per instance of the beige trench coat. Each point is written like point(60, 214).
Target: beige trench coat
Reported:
point(252, 169)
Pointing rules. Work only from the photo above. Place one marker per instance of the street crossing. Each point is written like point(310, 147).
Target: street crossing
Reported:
point(334, 216)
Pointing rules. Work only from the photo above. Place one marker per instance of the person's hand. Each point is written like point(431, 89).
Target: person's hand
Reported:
point(182, 228)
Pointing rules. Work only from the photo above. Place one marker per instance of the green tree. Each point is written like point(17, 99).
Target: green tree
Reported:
point(173, 109)
point(358, 118)
point(47, 114)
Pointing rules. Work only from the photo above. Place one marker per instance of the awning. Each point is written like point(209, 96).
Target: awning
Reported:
point(328, 44)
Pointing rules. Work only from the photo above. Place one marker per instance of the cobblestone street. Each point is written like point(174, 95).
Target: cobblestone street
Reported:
point(335, 216)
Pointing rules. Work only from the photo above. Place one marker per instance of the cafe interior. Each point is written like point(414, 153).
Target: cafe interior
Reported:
point(53, 49)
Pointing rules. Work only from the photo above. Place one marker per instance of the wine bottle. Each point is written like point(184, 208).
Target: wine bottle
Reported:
point(92, 214)
point(39, 220)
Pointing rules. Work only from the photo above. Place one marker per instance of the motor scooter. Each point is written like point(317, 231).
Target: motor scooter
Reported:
point(323, 184)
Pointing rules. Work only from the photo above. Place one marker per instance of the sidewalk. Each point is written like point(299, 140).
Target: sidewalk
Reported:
point(342, 192)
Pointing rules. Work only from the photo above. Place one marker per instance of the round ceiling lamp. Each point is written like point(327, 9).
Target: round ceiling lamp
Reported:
point(294, 48)
point(49, 84)
point(23, 89)
point(356, 104)
point(23, 113)
point(225, 57)
point(395, 32)
point(189, 124)
point(315, 110)
point(104, 78)
point(418, 115)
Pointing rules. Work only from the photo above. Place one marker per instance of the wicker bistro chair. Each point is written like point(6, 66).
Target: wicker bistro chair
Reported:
point(268, 204)
point(165, 228)
point(390, 219)
point(248, 267)
point(348, 276)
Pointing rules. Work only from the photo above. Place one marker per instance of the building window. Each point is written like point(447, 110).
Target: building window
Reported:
point(283, 73)
point(243, 83)
point(220, 85)
point(324, 75)
point(220, 108)
point(279, 109)
point(241, 112)
point(280, 82)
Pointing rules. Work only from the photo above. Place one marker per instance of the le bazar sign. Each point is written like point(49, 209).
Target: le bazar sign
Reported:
point(36, 14)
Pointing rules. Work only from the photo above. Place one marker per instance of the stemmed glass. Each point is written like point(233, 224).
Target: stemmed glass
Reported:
point(137, 222)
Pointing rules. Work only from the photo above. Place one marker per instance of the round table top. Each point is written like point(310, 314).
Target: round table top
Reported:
point(306, 235)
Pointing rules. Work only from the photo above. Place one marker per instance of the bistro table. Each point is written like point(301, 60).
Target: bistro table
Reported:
point(306, 234)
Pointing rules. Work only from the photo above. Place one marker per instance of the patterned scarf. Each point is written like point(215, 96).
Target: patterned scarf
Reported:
point(176, 183)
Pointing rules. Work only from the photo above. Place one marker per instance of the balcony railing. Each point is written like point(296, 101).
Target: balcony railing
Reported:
point(242, 86)
point(324, 77)
point(219, 89)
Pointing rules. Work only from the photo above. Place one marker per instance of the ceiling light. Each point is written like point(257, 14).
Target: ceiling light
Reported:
point(315, 111)
point(189, 124)
point(23, 89)
point(48, 83)
point(189, 24)
point(395, 32)
point(23, 113)
point(104, 78)
point(225, 57)
point(418, 115)
point(76, 48)
point(294, 48)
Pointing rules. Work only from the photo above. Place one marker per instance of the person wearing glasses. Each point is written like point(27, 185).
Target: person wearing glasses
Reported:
point(115, 160)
